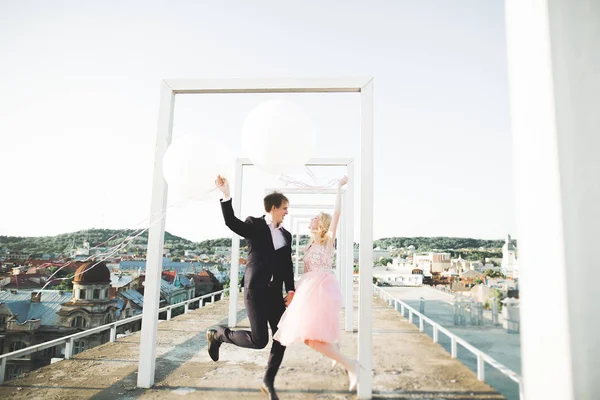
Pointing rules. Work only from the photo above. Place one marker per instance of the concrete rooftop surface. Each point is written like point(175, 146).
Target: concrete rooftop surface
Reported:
point(406, 365)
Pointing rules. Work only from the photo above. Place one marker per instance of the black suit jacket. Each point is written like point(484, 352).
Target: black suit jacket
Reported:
point(263, 261)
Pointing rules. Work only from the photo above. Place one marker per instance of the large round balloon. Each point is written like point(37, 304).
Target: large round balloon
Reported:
point(192, 163)
point(278, 137)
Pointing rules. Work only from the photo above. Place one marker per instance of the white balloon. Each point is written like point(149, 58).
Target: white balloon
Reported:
point(278, 136)
point(192, 163)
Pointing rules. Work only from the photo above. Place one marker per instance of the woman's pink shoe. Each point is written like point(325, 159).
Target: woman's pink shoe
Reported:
point(354, 376)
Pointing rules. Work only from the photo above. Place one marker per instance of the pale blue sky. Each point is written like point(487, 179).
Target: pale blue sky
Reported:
point(79, 91)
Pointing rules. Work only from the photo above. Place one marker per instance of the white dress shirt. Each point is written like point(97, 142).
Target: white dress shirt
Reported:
point(276, 233)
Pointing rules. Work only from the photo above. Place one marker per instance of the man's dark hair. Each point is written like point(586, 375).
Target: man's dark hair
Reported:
point(274, 199)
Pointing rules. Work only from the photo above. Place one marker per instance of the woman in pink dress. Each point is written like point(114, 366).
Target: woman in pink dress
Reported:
point(313, 317)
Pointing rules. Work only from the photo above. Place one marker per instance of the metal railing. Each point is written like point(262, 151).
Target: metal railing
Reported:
point(69, 341)
point(482, 358)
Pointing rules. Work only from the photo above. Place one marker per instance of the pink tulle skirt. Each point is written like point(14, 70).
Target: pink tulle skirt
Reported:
point(314, 312)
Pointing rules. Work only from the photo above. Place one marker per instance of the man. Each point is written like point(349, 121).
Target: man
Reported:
point(269, 265)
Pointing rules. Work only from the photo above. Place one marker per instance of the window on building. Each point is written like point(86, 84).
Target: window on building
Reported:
point(49, 352)
point(128, 313)
point(82, 294)
point(78, 346)
point(96, 293)
point(106, 293)
point(79, 322)
point(16, 372)
point(2, 320)
point(18, 345)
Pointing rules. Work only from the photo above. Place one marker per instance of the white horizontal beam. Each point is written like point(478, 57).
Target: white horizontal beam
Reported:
point(302, 191)
point(267, 85)
point(313, 162)
point(310, 206)
point(293, 216)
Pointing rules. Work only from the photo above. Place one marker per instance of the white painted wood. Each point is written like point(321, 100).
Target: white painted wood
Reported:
point(149, 333)
point(554, 76)
point(365, 306)
point(235, 245)
point(155, 243)
point(348, 248)
point(267, 85)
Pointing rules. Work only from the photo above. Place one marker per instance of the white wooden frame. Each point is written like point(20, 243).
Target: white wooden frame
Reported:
point(170, 88)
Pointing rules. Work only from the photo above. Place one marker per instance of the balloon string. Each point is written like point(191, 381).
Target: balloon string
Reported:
point(288, 180)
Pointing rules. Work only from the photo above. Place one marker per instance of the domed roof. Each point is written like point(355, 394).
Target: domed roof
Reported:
point(92, 272)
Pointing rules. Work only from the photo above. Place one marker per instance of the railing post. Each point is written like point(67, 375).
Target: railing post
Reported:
point(435, 334)
point(69, 349)
point(212, 299)
point(454, 350)
point(113, 333)
point(480, 367)
point(421, 327)
point(169, 314)
point(410, 316)
point(186, 308)
point(521, 390)
point(201, 303)
point(402, 309)
point(2, 370)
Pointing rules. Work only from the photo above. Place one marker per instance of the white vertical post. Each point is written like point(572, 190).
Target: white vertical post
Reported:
point(113, 333)
point(340, 255)
point(297, 261)
point(349, 247)
point(480, 367)
point(169, 314)
point(2, 370)
point(186, 308)
point(365, 305)
point(421, 326)
point(435, 334)
point(453, 347)
point(69, 345)
point(235, 247)
point(554, 76)
point(156, 234)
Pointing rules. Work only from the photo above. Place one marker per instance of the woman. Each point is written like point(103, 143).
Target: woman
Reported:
point(313, 315)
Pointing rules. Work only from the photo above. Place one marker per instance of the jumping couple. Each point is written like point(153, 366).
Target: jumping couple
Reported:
point(313, 310)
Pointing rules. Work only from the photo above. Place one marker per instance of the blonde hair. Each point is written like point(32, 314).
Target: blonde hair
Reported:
point(320, 234)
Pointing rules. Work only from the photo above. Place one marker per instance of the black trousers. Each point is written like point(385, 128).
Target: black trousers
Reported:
point(264, 306)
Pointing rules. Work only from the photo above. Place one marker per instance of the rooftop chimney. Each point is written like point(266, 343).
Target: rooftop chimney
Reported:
point(36, 297)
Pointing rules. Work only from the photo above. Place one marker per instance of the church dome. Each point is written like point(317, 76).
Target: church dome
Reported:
point(92, 272)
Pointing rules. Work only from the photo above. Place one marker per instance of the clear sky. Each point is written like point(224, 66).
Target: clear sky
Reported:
point(79, 94)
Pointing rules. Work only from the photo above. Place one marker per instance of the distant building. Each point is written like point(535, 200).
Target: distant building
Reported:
point(433, 262)
point(90, 305)
point(206, 282)
point(28, 318)
point(399, 273)
point(510, 266)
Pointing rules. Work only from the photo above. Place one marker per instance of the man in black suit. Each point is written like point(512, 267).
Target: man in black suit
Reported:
point(268, 267)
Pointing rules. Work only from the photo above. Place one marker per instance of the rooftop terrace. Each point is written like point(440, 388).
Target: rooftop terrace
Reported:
point(407, 365)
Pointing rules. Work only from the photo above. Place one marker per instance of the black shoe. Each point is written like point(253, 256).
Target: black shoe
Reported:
point(213, 344)
point(268, 389)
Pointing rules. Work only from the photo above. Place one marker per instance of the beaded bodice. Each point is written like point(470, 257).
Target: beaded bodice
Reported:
point(318, 258)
